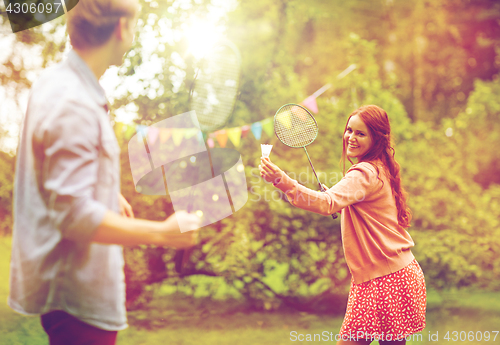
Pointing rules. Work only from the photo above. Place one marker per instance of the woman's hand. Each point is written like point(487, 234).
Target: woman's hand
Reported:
point(269, 171)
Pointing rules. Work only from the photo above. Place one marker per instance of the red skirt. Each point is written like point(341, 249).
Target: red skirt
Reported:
point(386, 308)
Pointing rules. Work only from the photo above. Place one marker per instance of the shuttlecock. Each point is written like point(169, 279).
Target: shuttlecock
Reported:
point(266, 150)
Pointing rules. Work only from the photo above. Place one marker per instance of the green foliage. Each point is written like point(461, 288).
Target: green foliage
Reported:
point(270, 252)
point(460, 220)
point(186, 321)
point(478, 132)
point(7, 164)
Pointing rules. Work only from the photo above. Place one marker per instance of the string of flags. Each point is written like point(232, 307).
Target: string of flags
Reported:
point(234, 134)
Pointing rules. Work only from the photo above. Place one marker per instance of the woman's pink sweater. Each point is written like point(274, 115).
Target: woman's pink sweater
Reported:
point(374, 243)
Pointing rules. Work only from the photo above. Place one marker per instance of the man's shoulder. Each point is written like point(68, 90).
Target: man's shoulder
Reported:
point(60, 95)
point(60, 92)
point(56, 82)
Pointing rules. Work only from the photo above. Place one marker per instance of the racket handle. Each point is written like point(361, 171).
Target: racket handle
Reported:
point(334, 216)
point(179, 259)
point(182, 255)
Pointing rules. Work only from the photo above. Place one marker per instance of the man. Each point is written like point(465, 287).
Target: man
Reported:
point(67, 255)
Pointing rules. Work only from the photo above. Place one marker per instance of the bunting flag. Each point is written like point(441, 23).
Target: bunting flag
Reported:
point(165, 134)
point(177, 136)
point(221, 137)
point(256, 130)
point(129, 132)
point(234, 135)
point(190, 132)
point(210, 143)
point(119, 128)
point(200, 138)
point(142, 131)
point(310, 103)
point(268, 126)
point(244, 131)
point(153, 134)
point(285, 118)
point(297, 111)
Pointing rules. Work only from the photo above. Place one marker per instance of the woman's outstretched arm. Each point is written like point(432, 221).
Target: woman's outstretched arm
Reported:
point(356, 186)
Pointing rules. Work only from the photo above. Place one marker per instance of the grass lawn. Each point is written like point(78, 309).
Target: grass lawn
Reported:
point(173, 321)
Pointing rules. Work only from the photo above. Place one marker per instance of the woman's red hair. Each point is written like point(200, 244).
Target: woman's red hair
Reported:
point(377, 121)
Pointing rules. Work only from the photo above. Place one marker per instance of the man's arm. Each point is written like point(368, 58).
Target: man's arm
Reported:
point(116, 229)
point(70, 143)
point(125, 208)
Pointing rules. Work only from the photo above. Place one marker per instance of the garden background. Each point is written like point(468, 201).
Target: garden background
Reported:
point(270, 268)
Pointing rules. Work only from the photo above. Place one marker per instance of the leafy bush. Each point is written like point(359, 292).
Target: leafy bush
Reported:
point(7, 164)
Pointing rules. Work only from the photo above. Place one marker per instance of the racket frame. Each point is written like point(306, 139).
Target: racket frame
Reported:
point(236, 52)
point(308, 112)
point(182, 256)
point(334, 216)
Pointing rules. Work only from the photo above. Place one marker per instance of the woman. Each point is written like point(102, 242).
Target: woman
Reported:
point(387, 298)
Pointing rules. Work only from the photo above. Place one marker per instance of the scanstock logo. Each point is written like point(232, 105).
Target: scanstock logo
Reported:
point(170, 158)
point(27, 14)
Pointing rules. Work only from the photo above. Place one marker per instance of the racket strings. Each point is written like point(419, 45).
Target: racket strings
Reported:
point(295, 126)
point(215, 89)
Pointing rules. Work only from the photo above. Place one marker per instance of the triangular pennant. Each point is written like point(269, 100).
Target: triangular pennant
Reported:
point(153, 135)
point(200, 138)
point(256, 130)
point(129, 131)
point(210, 143)
point(310, 103)
point(268, 126)
point(285, 118)
point(298, 111)
point(177, 136)
point(234, 135)
point(244, 131)
point(119, 127)
point(190, 132)
point(221, 137)
point(165, 133)
point(142, 131)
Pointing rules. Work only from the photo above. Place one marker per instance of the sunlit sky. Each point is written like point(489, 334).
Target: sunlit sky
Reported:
point(201, 33)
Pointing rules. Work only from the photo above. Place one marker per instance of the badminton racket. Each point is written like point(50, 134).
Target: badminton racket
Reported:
point(212, 97)
point(295, 127)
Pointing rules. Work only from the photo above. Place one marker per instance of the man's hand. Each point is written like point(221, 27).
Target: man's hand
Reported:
point(116, 229)
point(125, 208)
point(174, 237)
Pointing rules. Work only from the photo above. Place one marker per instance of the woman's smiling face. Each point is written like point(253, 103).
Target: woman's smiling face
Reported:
point(357, 138)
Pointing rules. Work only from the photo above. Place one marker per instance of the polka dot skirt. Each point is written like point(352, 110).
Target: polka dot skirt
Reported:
point(386, 308)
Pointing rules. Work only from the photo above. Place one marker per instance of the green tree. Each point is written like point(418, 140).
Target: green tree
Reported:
point(269, 251)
